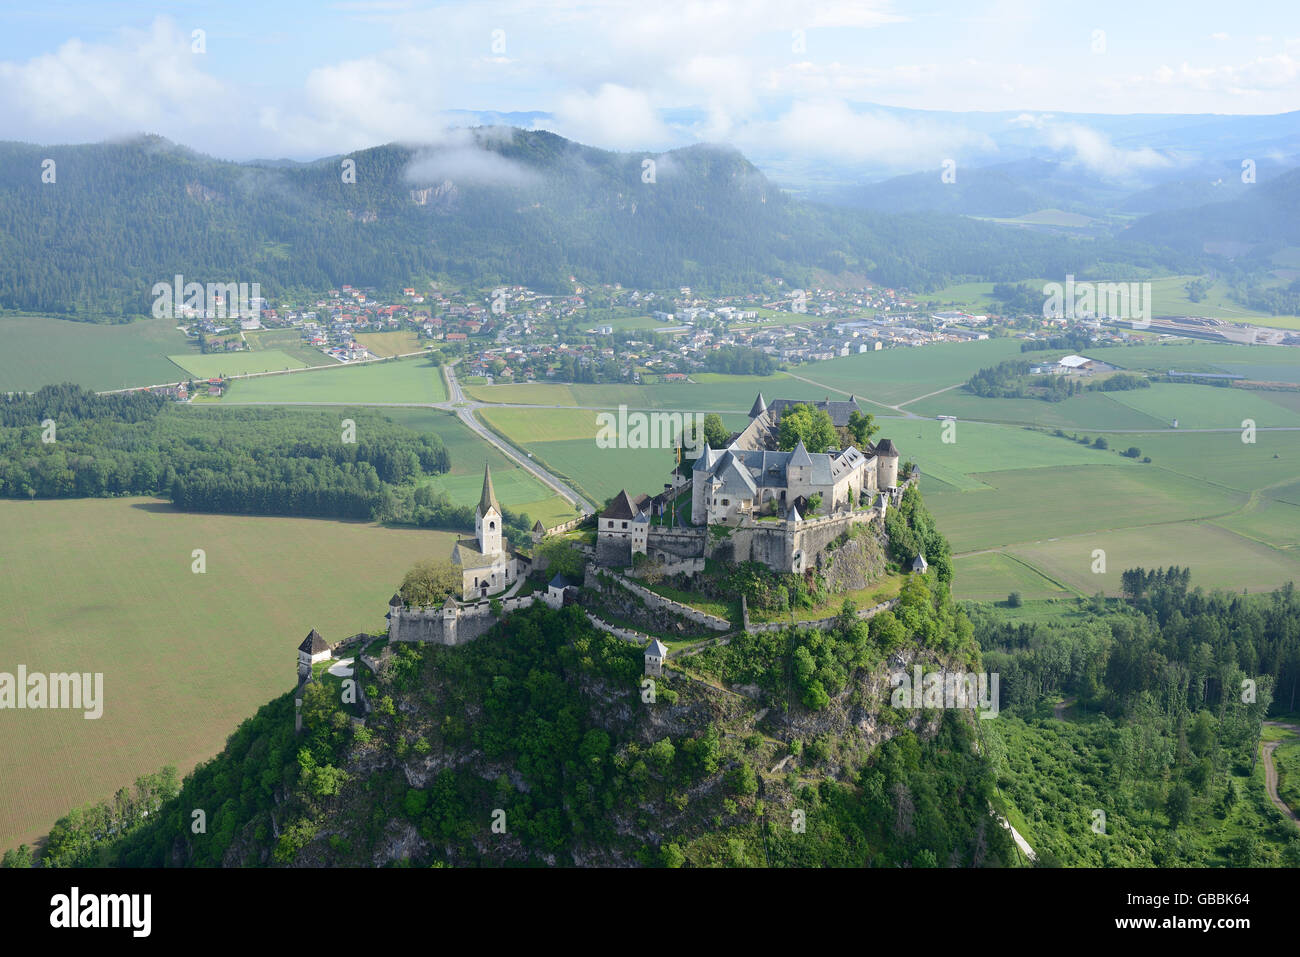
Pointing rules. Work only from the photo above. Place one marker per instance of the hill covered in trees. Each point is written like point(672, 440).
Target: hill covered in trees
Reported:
point(499, 206)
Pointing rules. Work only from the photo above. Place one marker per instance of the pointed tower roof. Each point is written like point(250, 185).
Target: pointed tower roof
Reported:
point(800, 456)
point(793, 515)
point(396, 601)
point(314, 643)
point(489, 497)
point(758, 408)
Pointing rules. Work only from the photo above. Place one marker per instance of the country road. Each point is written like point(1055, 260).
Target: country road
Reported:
point(1270, 772)
point(465, 410)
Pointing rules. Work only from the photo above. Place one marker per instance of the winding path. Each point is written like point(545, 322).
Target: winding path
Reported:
point(1270, 772)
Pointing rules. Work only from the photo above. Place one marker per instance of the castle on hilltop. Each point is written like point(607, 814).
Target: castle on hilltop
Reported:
point(763, 504)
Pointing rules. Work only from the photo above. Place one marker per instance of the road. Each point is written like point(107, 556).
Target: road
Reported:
point(465, 409)
point(1270, 772)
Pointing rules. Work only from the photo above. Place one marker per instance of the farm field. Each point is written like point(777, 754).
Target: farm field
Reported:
point(1206, 406)
point(1086, 411)
point(1031, 505)
point(37, 351)
point(1217, 558)
point(1221, 458)
point(515, 487)
point(185, 657)
point(565, 441)
point(1270, 363)
point(902, 374)
point(991, 576)
point(712, 392)
point(405, 380)
point(981, 447)
point(600, 473)
point(288, 341)
point(385, 344)
point(237, 363)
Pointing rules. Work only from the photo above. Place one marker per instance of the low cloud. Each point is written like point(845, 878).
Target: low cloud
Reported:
point(464, 159)
point(614, 117)
point(1094, 150)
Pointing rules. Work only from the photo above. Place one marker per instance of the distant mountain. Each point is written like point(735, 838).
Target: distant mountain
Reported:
point(489, 205)
point(1265, 214)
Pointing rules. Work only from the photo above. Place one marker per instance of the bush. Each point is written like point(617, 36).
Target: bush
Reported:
point(1101, 443)
point(1013, 600)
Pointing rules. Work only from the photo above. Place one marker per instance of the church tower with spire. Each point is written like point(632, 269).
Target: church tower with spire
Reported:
point(487, 518)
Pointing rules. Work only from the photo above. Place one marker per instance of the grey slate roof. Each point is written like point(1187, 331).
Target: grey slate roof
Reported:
point(839, 411)
point(314, 644)
point(758, 408)
point(656, 648)
point(489, 497)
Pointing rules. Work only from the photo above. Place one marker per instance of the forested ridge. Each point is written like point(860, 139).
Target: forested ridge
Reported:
point(123, 216)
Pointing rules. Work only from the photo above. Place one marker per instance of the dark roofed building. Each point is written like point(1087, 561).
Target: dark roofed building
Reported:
point(313, 649)
point(839, 411)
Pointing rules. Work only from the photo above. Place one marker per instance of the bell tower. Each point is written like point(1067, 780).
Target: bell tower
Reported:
point(487, 518)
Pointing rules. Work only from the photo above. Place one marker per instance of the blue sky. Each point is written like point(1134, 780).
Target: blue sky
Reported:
point(303, 79)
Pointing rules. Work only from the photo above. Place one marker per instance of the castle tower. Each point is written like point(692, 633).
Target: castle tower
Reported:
point(758, 408)
point(450, 615)
point(487, 518)
point(887, 471)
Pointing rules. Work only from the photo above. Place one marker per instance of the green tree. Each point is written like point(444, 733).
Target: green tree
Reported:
point(429, 582)
point(807, 423)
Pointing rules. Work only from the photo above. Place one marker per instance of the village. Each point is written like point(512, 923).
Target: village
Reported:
point(607, 334)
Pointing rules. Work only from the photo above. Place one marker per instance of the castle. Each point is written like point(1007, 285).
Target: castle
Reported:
point(759, 501)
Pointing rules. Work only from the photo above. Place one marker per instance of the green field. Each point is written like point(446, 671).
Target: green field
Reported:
point(1086, 411)
point(711, 392)
point(36, 351)
point(891, 376)
point(290, 342)
point(1207, 406)
point(1217, 558)
point(991, 576)
point(516, 488)
point(1033, 505)
point(236, 363)
point(564, 440)
point(185, 657)
point(390, 343)
point(405, 380)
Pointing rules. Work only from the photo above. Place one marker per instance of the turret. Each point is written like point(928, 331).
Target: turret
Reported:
point(887, 470)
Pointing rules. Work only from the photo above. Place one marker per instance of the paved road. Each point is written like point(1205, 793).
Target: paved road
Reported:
point(1270, 772)
point(465, 409)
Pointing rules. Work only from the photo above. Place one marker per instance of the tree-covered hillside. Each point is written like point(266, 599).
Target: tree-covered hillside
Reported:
point(510, 206)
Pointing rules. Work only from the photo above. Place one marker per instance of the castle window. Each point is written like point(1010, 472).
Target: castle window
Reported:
point(726, 502)
point(625, 524)
point(492, 525)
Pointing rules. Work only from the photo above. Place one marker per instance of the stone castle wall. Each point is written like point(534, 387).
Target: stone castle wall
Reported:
point(655, 600)
point(429, 625)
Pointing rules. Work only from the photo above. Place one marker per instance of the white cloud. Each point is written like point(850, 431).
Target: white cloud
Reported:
point(464, 161)
point(142, 81)
point(614, 117)
point(1094, 150)
point(831, 129)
